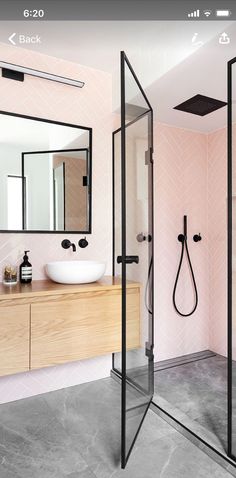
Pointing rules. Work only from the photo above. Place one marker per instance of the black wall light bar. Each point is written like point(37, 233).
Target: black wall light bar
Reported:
point(18, 72)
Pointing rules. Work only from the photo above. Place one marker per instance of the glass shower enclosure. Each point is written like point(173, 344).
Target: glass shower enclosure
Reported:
point(133, 253)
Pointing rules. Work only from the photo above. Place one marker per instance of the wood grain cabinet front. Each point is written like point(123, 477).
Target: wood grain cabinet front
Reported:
point(14, 339)
point(44, 324)
point(83, 326)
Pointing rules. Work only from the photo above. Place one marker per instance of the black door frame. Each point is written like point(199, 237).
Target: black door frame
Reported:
point(230, 249)
point(122, 129)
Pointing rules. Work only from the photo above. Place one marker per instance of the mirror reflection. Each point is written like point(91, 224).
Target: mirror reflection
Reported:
point(45, 176)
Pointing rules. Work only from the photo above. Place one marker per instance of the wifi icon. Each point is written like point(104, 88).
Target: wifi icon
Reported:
point(207, 13)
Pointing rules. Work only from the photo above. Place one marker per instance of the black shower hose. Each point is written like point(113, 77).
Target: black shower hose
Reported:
point(185, 245)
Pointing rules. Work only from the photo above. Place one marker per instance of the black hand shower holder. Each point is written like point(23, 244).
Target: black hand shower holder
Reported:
point(183, 239)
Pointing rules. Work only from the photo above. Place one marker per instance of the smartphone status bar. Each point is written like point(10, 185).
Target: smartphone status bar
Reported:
point(117, 10)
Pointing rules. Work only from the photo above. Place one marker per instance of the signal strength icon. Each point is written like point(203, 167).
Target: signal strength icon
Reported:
point(207, 13)
point(194, 14)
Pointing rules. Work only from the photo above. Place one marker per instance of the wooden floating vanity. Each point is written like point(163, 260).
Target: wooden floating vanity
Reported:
point(45, 324)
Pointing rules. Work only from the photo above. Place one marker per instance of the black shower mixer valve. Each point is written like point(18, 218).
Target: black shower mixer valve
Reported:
point(197, 237)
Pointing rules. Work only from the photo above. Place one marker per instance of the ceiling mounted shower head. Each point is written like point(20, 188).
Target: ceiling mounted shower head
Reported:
point(200, 105)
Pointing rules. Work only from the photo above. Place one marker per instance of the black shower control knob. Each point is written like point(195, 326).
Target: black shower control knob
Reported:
point(197, 237)
point(83, 243)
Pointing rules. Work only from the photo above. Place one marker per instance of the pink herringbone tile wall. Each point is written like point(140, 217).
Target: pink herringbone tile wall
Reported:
point(180, 175)
point(217, 233)
point(190, 178)
point(90, 106)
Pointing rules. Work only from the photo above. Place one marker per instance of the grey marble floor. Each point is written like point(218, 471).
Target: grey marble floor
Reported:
point(75, 433)
point(196, 393)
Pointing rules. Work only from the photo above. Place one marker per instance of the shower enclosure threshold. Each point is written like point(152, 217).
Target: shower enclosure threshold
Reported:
point(183, 359)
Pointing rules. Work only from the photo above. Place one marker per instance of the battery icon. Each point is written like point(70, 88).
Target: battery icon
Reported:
point(223, 13)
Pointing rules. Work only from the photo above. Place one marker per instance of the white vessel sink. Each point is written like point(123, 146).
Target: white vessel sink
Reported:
point(75, 272)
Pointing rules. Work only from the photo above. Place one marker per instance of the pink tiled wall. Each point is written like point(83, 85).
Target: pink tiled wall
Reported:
point(180, 173)
point(191, 178)
point(90, 106)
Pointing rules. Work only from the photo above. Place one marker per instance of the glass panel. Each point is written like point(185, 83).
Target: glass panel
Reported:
point(59, 197)
point(14, 202)
point(133, 237)
point(62, 175)
point(233, 329)
point(135, 102)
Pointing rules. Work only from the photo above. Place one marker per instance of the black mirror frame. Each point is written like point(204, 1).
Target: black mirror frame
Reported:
point(89, 149)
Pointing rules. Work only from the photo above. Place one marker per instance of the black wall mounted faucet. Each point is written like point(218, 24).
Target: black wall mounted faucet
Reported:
point(83, 243)
point(66, 244)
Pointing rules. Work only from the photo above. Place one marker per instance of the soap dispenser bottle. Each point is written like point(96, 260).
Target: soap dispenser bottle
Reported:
point(25, 270)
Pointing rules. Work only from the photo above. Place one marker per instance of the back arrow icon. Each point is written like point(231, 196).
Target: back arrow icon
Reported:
point(11, 38)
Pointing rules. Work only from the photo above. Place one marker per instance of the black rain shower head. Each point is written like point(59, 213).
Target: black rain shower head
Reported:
point(200, 105)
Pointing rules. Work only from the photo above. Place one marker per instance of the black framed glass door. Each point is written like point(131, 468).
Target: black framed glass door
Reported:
point(133, 253)
point(232, 258)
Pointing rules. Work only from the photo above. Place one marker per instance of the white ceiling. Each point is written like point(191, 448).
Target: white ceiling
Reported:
point(203, 72)
point(37, 135)
point(170, 67)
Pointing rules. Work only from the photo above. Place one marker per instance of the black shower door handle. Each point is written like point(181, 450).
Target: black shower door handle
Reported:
point(128, 259)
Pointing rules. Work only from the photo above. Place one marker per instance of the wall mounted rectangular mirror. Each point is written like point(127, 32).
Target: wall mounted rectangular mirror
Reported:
point(45, 175)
